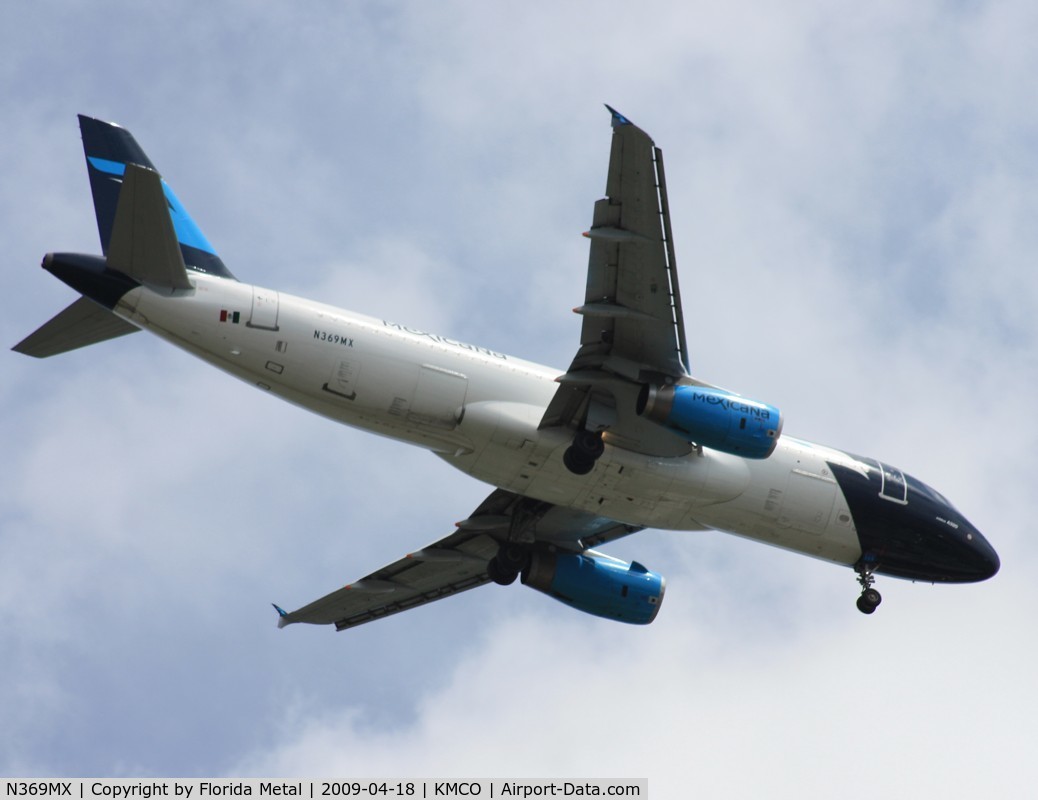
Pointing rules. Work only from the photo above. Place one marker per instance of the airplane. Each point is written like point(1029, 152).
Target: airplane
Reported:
point(624, 439)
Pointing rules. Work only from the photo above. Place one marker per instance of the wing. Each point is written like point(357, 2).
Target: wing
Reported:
point(632, 308)
point(458, 562)
point(633, 332)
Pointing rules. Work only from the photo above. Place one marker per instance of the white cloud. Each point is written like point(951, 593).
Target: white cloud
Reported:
point(692, 703)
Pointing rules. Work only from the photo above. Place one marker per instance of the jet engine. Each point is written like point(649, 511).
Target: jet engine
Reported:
point(714, 418)
point(597, 584)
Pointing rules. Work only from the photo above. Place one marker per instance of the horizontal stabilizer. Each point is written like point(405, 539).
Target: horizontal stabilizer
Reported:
point(82, 323)
point(144, 243)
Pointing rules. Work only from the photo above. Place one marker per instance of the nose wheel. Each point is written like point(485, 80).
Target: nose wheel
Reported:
point(869, 599)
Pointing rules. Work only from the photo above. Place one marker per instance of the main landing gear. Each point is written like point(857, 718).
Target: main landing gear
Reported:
point(510, 560)
point(580, 457)
point(870, 598)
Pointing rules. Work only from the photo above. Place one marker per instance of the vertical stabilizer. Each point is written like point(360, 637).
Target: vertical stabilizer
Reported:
point(108, 149)
point(143, 242)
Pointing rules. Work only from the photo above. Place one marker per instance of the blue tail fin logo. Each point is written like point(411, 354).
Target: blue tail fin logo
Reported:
point(108, 149)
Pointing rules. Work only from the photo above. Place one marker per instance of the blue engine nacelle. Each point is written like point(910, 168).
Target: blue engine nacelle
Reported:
point(597, 584)
point(714, 418)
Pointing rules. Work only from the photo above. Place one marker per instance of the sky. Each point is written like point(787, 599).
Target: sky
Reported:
point(853, 194)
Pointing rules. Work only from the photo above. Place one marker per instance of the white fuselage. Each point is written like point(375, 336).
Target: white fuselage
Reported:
point(480, 410)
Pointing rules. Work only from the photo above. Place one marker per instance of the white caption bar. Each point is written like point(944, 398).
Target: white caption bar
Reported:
point(230, 789)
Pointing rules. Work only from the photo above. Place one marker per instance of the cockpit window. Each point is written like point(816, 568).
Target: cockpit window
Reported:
point(893, 486)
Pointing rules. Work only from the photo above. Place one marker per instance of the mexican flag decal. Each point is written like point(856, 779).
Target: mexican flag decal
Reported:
point(229, 316)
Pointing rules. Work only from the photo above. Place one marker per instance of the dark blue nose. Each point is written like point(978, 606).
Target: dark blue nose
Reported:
point(956, 548)
point(982, 560)
point(911, 531)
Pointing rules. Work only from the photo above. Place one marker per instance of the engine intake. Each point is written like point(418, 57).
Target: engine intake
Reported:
point(597, 584)
point(714, 418)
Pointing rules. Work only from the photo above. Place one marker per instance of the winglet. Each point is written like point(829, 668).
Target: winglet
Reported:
point(618, 118)
point(282, 615)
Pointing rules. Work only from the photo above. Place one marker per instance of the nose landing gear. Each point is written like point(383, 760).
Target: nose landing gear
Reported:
point(870, 598)
point(868, 601)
